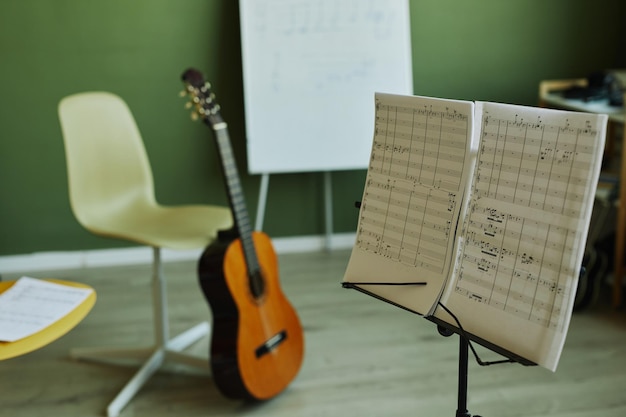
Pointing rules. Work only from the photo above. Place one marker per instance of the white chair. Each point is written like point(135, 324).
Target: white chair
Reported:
point(112, 194)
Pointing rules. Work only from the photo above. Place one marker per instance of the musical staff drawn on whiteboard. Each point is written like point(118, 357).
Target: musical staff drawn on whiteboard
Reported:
point(310, 71)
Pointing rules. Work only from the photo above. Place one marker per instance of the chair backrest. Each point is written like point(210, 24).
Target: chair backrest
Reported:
point(107, 164)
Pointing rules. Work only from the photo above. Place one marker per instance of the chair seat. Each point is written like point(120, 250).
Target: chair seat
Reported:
point(172, 227)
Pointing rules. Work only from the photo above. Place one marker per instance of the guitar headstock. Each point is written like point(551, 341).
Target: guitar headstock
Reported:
point(202, 99)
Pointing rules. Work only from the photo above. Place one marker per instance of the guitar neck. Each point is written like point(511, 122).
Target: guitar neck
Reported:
point(235, 196)
point(209, 110)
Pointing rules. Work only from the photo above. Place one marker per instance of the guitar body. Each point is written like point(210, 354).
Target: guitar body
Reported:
point(257, 343)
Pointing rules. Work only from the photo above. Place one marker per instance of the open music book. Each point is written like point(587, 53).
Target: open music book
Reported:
point(483, 208)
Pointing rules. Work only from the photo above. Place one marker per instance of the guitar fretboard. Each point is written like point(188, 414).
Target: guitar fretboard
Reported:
point(237, 201)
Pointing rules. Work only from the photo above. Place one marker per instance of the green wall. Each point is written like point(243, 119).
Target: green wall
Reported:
point(483, 49)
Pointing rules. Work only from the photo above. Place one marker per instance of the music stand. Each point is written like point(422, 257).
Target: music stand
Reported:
point(465, 338)
point(447, 330)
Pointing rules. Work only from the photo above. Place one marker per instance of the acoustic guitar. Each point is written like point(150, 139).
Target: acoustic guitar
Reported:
point(257, 343)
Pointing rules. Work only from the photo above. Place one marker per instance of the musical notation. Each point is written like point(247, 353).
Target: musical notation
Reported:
point(407, 222)
point(427, 146)
point(32, 304)
point(537, 165)
point(487, 203)
point(412, 192)
point(516, 264)
point(519, 255)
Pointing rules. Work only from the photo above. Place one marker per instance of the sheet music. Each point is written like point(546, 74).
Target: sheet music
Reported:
point(412, 198)
point(31, 305)
point(525, 228)
point(492, 215)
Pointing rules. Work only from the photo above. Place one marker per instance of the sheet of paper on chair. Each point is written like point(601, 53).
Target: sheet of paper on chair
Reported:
point(31, 305)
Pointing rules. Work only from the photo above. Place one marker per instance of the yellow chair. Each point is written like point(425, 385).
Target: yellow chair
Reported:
point(112, 194)
point(51, 333)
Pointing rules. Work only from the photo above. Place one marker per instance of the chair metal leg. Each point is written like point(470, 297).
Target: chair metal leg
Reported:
point(130, 356)
point(164, 352)
point(189, 337)
point(141, 377)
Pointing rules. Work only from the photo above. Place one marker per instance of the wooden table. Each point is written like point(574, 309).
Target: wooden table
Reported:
point(50, 333)
point(548, 98)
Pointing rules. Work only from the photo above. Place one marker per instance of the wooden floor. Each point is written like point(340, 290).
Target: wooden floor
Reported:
point(364, 358)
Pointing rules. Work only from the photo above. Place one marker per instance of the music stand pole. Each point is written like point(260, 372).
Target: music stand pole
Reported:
point(461, 410)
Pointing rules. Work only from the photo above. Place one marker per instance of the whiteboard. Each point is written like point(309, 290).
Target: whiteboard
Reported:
point(310, 71)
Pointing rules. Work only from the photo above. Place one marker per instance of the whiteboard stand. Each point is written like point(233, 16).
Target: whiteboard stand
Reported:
point(328, 206)
point(260, 208)
point(328, 209)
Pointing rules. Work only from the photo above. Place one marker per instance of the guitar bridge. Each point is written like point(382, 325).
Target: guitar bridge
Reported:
point(271, 344)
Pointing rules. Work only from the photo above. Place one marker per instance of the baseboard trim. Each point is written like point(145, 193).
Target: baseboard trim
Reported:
point(50, 261)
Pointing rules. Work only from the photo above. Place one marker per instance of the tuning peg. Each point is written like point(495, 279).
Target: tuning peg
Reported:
point(194, 116)
point(182, 93)
point(188, 105)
